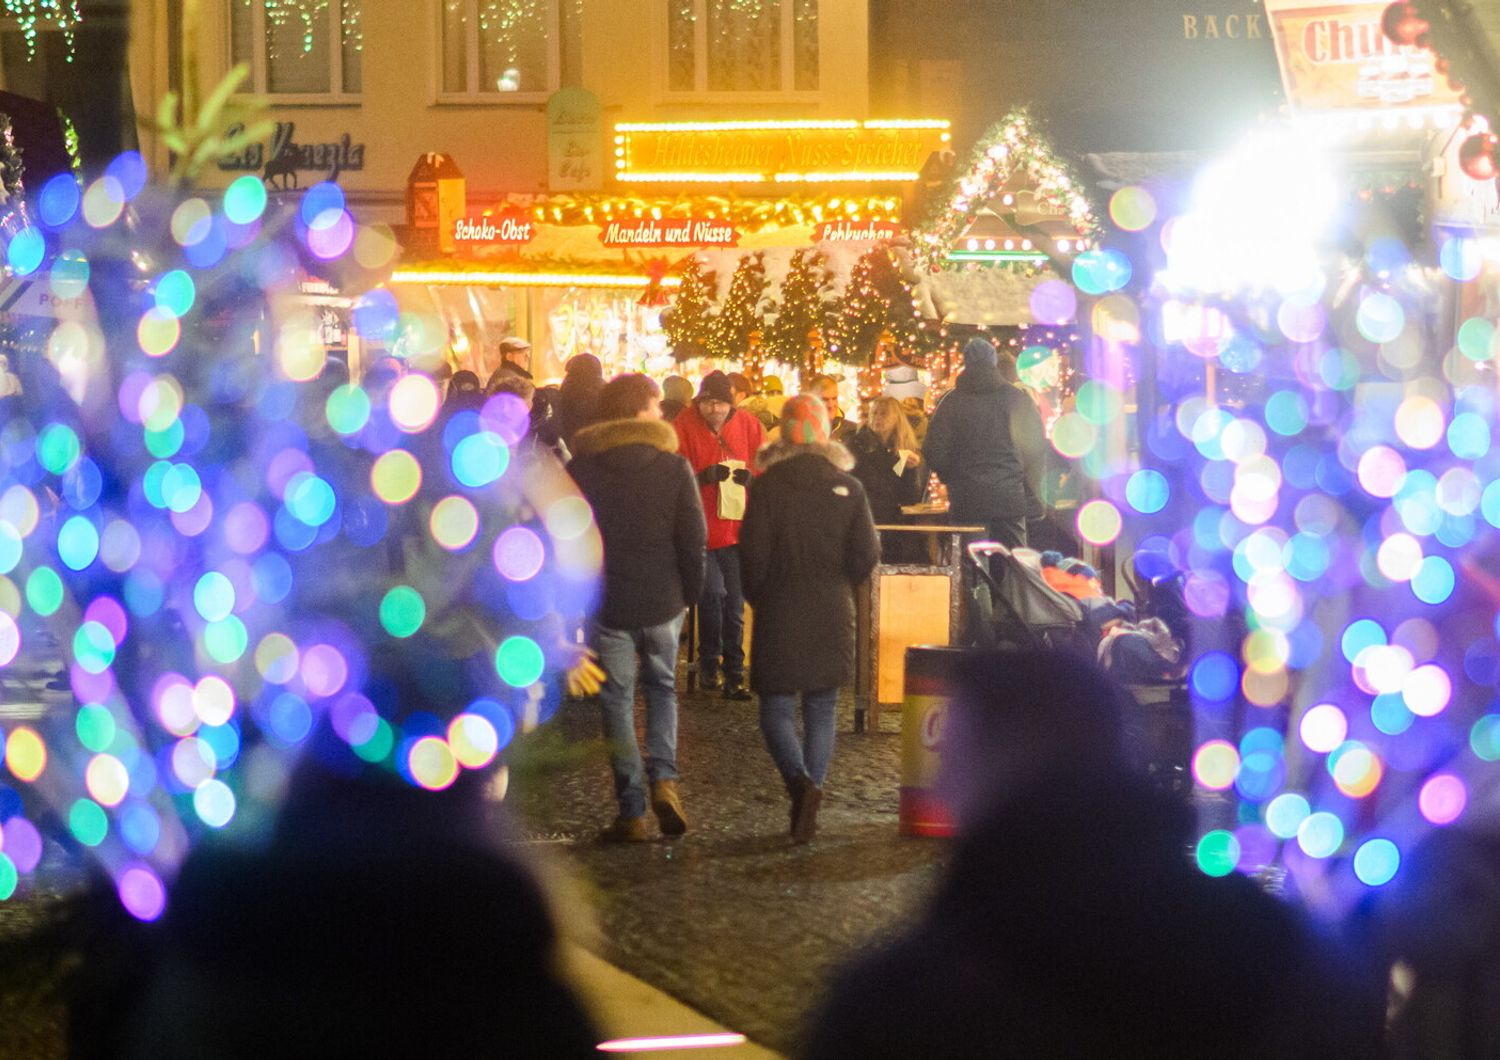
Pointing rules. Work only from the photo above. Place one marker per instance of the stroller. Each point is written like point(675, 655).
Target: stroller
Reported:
point(1012, 604)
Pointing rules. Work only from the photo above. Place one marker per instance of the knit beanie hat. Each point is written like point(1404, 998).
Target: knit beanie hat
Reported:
point(676, 388)
point(804, 421)
point(980, 354)
point(715, 387)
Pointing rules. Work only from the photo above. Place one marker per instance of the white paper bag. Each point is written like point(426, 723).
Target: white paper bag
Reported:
point(731, 493)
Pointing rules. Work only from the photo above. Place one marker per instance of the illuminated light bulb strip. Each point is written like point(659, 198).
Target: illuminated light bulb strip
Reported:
point(996, 255)
point(526, 279)
point(850, 175)
point(674, 1041)
point(780, 126)
point(691, 178)
point(731, 126)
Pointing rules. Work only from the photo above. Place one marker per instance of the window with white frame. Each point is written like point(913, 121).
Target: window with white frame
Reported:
point(507, 51)
point(742, 45)
point(309, 48)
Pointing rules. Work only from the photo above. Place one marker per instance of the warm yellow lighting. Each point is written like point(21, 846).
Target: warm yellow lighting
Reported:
point(479, 278)
point(849, 175)
point(689, 178)
point(732, 126)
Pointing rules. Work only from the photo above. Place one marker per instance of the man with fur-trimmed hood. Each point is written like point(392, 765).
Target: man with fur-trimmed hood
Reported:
point(645, 501)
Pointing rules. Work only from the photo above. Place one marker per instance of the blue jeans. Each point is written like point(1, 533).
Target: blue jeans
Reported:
point(657, 647)
point(721, 615)
point(778, 724)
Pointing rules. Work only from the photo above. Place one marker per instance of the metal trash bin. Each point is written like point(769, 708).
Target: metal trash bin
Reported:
point(928, 690)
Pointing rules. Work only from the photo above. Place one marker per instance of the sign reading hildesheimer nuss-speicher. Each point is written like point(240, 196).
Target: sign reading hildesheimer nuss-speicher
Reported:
point(786, 152)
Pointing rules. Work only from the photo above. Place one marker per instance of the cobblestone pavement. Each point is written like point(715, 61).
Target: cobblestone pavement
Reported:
point(732, 919)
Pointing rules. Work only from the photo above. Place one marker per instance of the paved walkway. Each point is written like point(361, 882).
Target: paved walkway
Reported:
point(628, 1009)
point(732, 919)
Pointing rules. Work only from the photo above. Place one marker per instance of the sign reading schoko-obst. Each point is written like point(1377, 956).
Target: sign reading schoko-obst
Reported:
point(1337, 57)
point(671, 232)
point(789, 152)
point(500, 230)
point(856, 231)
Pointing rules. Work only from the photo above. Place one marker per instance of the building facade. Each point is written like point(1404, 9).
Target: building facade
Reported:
point(361, 88)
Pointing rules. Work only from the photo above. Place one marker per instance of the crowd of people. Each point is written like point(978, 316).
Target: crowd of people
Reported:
point(1068, 922)
point(713, 496)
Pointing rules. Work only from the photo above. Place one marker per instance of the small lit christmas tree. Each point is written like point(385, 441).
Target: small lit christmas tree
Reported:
point(754, 364)
point(729, 333)
point(801, 314)
point(878, 300)
point(688, 321)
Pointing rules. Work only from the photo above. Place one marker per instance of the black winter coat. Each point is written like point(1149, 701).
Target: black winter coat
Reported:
point(875, 467)
point(646, 505)
point(1071, 925)
point(807, 542)
point(976, 441)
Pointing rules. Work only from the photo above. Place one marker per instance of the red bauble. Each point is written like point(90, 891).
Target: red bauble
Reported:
point(1477, 157)
point(1402, 23)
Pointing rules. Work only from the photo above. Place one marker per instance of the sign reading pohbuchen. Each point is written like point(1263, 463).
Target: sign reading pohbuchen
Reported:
point(856, 231)
point(500, 230)
point(776, 152)
point(1336, 56)
point(671, 232)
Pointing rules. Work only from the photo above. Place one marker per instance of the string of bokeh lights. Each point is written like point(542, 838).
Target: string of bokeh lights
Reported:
point(235, 547)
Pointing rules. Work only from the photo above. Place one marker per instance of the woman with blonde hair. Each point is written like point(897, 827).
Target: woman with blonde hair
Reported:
point(889, 465)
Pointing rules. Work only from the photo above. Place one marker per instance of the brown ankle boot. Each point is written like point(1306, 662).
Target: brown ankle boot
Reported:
point(625, 830)
point(806, 796)
point(668, 806)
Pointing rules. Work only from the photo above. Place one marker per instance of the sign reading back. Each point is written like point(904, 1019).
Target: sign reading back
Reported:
point(1337, 57)
point(766, 152)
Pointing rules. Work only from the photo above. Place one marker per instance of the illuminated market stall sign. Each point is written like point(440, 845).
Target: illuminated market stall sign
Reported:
point(510, 229)
point(1336, 57)
point(856, 231)
point(671, 232)
point(776, 152)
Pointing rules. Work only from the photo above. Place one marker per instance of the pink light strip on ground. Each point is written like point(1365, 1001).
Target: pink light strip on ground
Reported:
point(675, 1041)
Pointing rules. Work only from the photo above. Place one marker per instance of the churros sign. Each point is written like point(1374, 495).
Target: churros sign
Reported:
point(1336, 57)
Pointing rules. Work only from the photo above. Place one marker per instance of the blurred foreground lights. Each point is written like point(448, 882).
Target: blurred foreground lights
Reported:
point(1256, 217)
point(1442, 798)
point(664, 1043)
point(432, 763)
point(1376, 862)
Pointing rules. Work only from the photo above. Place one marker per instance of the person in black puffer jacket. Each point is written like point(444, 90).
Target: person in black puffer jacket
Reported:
point(807, 541)
point(980, 445)
point(646, 505)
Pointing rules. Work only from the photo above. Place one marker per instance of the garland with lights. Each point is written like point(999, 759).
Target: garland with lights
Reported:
point(70, 142)
point(795, 335)
point(878, 300)
point(1012, 147)
point(740, 315)
point(1452, 31)
point(749, 214)
point(12, 169)
point(688, 321)
point(57, 14)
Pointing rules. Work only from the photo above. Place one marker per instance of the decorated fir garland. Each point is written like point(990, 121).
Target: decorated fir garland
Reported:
point(740, 315)
point(878, 299)
point(1013, 147)
point(688, 321)
point(12, 169)
point(797, 330)
point(752, 214)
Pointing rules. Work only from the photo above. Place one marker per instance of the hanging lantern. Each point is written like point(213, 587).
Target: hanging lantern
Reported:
point(1477, 157)
point(1402, 23)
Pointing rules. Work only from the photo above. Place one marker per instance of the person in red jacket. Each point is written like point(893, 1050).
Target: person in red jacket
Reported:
point(720, 442)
